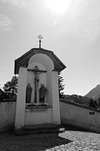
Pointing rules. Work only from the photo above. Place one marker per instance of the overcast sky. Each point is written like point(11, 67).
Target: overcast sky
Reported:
point(72, 33)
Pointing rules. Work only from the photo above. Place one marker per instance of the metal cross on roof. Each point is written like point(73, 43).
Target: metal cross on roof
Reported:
point(40, 37)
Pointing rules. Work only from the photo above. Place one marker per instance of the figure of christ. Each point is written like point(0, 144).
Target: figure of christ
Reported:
point(36, 81)
point(36, 72)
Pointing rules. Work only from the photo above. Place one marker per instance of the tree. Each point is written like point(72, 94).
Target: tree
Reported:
point(10, 87)
point(61, 85)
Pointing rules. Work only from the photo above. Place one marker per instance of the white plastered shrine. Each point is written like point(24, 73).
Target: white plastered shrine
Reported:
point(37, 68)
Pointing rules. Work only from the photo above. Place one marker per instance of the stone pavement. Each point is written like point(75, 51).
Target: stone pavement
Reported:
point(81, 141)
point(67, 141)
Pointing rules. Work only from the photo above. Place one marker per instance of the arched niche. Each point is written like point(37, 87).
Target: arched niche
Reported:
point(42, 59)
point(31, 77)
point(44, 63)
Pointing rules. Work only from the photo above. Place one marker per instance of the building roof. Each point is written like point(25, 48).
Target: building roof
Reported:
point(24, 59)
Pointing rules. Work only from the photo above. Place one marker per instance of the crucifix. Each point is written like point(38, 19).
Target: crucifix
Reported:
point(36, 80)
point(40, 38)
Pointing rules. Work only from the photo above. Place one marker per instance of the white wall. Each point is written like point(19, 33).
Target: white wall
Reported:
point(38, 116)
point(55, 98)
point(7, 114)
point(21, 95)
point(80, 116)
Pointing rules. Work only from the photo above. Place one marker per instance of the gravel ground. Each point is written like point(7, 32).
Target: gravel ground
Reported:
point(67, 141)
point(81, 141)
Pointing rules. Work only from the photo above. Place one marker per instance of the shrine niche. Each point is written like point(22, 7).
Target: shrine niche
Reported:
point(37, 98)
point(37, 77)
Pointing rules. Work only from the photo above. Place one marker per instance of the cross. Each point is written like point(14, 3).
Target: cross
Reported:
point(36, 80)
point(40, 37)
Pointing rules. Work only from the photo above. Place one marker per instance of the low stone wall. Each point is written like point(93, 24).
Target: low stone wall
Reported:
point(71, 114)
point(7, 115)
point(83, 117)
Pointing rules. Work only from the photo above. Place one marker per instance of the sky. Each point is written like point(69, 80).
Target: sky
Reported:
point(70, 28)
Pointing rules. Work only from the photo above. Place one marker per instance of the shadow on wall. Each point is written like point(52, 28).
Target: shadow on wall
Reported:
point(7, 115)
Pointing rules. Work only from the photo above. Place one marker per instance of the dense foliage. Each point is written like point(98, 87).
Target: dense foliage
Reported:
point(84, 101)
point(10, 88)
point(61, 85)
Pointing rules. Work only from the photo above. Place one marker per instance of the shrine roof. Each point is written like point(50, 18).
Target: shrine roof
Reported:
point(24, 59)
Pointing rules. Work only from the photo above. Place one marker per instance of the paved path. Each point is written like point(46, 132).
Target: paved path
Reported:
point(67, 141)
point(81, 141)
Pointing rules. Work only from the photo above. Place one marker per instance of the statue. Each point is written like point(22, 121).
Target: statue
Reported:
point(42, 93)
point(36, 72)
point(28, 93)
point(36, 80)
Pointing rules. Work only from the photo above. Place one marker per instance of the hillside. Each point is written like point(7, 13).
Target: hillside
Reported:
point(94, 93)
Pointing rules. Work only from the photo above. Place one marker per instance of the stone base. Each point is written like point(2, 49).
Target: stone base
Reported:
point(38, 129)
